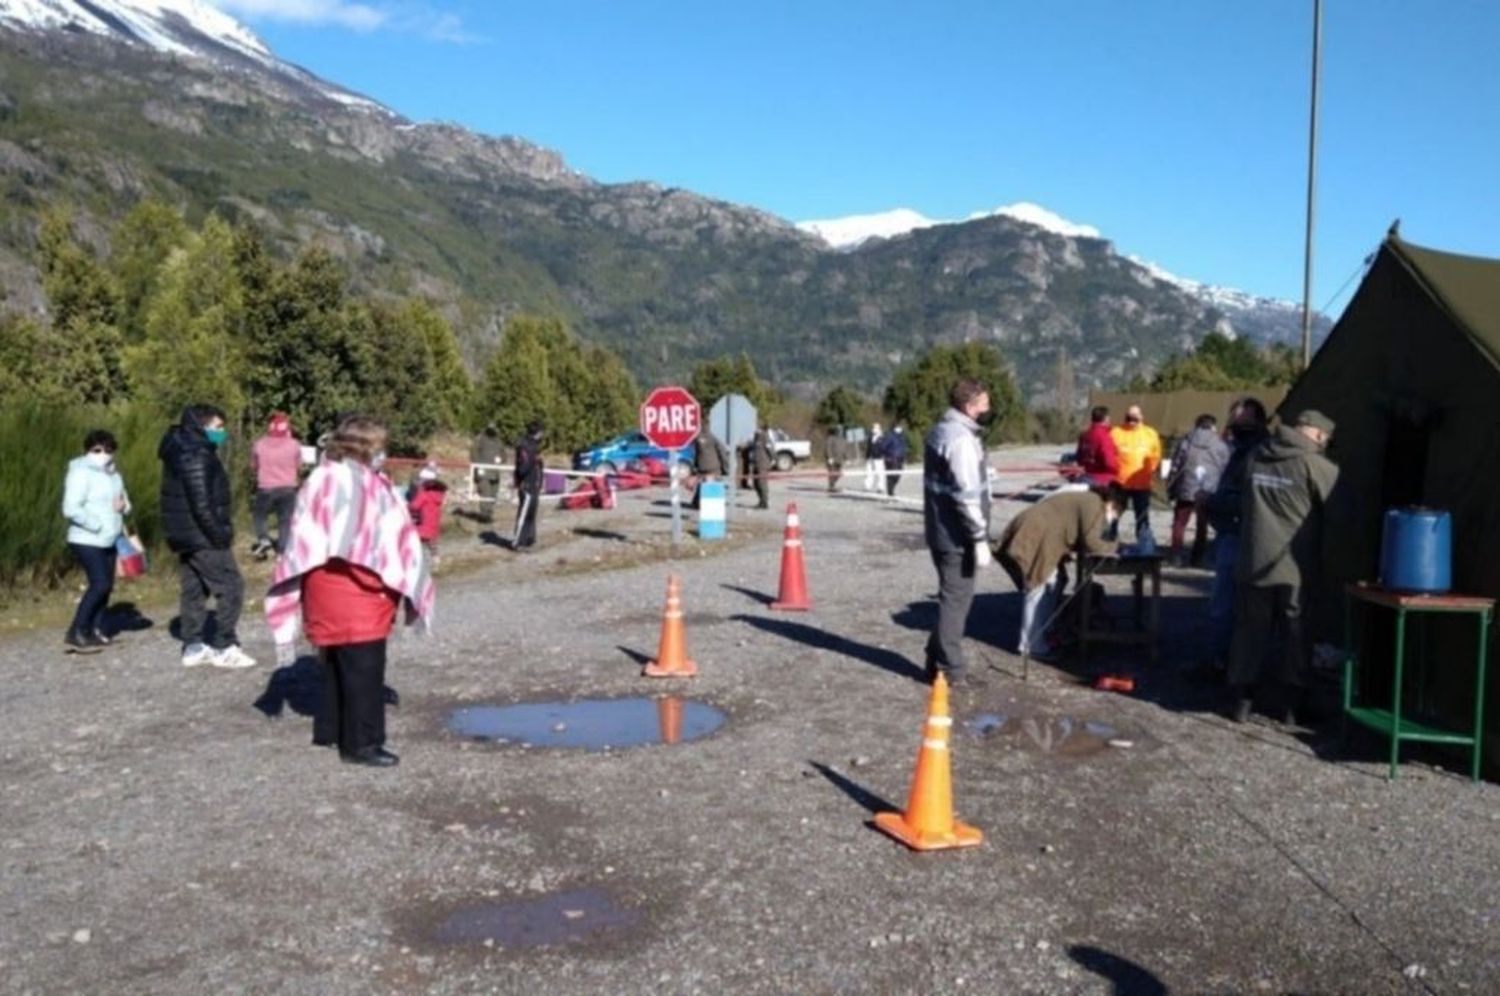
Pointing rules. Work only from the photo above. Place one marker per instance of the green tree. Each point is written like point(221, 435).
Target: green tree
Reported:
point(840, 406)
point(82, 351)
point(450, 384)
point(516, 388)
point(712, 379)
point(393, 373)
point(918, 394)
point(194, 344)
point(140, 247)
point(1220, 363)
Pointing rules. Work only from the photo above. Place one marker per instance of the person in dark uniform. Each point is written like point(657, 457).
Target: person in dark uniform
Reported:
point(893, 452)
point(529, 474)
point(485, 453)
point(835, 452)
point(762, 460)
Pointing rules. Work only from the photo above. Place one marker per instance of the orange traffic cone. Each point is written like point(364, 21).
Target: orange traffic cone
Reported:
point(669, 716)
point(793, 595)
point(671, 655)
point(928, 823)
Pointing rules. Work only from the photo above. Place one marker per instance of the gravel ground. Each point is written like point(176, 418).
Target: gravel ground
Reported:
point(162, 835)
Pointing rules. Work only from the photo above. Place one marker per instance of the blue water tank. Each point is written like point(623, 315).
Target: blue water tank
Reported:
point(1416, 550)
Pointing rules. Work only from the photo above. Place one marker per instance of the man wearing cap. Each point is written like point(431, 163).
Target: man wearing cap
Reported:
point(529, 474)
point(276, 459)
point(1139, 450)
point(1287, 485)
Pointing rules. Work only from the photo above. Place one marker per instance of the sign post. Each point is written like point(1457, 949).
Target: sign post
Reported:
point(670, 418)
point(733, 420)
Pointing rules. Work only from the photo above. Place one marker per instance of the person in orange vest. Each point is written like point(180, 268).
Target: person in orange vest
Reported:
point(1139, 448)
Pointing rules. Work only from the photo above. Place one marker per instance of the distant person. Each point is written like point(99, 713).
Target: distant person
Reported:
point(956, 521)
point(835, 452)
point(1139, 449)
point(762, 462)
point(1038, 540)
point(355, 557)
point(425, 502)
point(1096, 454)
point(1287, 486)
point(197, 518)
point(710, 460)
point(95, 504)
point(485, 455)
point(893, 455)
point(1198, 462)
point(276, 459)
point(530, 474)
point(1247, 430)
point(874, 462)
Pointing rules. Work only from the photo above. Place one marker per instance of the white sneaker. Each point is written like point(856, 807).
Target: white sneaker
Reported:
point(232, 657)
point(197, 653)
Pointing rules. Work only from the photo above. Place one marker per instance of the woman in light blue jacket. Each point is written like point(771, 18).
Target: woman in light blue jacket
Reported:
point(95, 505)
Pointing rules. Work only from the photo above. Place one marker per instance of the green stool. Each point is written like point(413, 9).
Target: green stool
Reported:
point(1391, 722)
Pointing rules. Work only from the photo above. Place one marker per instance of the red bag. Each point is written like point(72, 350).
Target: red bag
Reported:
point(130, 556)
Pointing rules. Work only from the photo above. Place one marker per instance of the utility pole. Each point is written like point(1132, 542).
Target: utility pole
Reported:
point(1312, 184)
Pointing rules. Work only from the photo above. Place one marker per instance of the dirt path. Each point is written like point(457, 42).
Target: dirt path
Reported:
point(162, 835)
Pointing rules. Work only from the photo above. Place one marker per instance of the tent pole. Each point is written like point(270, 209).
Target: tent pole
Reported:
point(1312, 177)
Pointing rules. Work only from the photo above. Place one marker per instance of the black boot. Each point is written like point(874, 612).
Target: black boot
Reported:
point(374, 757)
point(82, 643)
point(1244, 701)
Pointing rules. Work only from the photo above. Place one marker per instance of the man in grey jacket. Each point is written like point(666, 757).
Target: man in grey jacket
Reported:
point(956, 517)
point(1287, 485)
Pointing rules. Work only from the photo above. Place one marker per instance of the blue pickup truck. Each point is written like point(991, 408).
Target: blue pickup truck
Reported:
point(612, 456)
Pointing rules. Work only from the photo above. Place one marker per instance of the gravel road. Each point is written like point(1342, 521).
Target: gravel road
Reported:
point(160, 834)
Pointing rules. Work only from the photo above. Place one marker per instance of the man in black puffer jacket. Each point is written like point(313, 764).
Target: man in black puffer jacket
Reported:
point(197, 521)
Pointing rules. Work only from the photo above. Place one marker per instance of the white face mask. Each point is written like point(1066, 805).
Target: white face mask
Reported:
point(377, 461)
point(102, 460)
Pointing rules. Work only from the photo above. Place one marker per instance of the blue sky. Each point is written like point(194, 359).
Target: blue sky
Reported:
point(1178, 129)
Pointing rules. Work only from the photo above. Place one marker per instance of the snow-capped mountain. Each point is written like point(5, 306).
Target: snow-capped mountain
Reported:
point(1261, 318)
point(855, 230)
point(193, 29)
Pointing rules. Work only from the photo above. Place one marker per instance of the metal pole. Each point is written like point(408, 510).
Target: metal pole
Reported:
point(734, 462)
point(1312, 179)
point(676, 497)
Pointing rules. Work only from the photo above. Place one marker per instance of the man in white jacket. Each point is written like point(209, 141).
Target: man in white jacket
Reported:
point(956, 517)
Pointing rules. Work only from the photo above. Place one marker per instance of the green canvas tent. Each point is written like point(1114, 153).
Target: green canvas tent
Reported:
point(1411, 374)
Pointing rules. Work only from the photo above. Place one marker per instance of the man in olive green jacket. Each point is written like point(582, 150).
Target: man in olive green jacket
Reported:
point(1287, 485)
point(1036, 542)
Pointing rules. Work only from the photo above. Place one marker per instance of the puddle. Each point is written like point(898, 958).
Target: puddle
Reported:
point(590, 724)
point(1050, 735)
point(563, 918)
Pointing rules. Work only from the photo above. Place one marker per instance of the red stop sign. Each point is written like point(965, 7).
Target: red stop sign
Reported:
point(670, 417)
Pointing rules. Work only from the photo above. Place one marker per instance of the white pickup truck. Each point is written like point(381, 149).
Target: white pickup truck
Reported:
point(788, 450)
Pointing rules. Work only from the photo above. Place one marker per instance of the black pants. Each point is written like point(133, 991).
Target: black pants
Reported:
point(210, 572)
point(352, 715)
point(281, 501)
point(945, 647)
point(1140, 503)
point(893, 476)
point(525, 534)
point(762, 489)
point(1268, 620)
point(98, 563)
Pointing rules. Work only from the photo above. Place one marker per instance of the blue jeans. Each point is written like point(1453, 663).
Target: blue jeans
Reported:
point(98, 563)
point(1221, 598)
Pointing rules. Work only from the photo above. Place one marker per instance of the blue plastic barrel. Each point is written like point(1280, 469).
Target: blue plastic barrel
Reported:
point(1416, 550)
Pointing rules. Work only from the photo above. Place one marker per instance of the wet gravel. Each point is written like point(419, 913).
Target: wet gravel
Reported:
point(160, 834)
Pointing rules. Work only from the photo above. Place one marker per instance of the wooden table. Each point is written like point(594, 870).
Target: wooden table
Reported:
point(1147, 614)
point(1391, 721)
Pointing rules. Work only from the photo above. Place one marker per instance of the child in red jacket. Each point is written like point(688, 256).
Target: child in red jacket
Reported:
point(425, 502)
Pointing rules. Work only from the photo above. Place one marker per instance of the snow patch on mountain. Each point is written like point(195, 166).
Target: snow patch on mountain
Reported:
point(188, 28)
point(855, 230)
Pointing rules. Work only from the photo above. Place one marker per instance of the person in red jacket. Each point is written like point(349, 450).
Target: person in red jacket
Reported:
point(1098, 457)
point(425, 502)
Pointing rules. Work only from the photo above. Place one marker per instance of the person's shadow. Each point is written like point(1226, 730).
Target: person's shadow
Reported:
point(820, 639)
point(1129, 978)
point(124, 617)
point(298, 686)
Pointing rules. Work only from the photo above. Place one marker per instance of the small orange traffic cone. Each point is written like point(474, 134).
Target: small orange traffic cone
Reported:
point(793, 595)
point(928, 823)
point(669, 716)
point(671, 654)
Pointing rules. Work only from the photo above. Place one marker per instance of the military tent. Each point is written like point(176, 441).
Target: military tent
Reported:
point(1411, 374)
